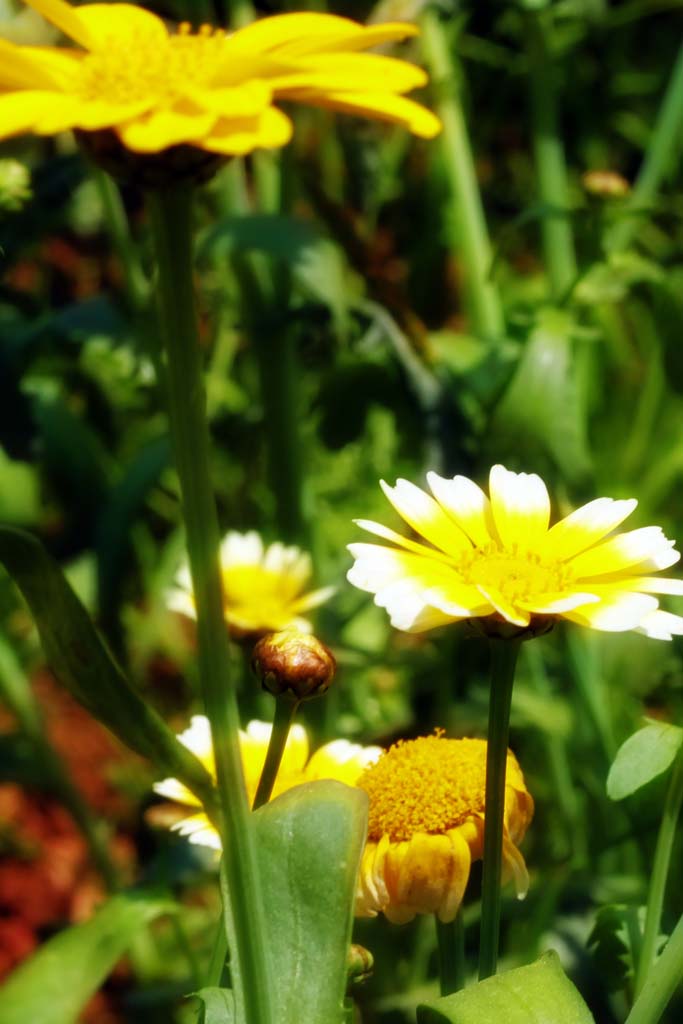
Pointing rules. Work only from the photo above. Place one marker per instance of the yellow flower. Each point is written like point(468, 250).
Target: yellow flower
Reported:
point(210, 89)
point(262, 588)
point(496, 557)
point(426, 826)
point(338, 760)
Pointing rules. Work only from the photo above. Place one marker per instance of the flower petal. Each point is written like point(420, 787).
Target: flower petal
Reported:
point(174, 790)
point(65, 17)
point(521, 507)
point(661, 625)
point(36, 67)
point(160, 129)
point(615, 614)
point(337, 72)
point(511, 612)
point(556, 604)
point(586, 526)
point(647, 547)
point(382, 106)
point(270, 130)
point(342, 761)
point(396, 538)
point(119, 24)
point(467, 505)
point(298, 34)
point(426, 517)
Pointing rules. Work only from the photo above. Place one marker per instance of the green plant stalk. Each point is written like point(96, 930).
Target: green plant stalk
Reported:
point(450, 940)
point(660, 872)
point(551, 168)
point(285, 710)
point(471, 241)
point(662, 148)
point(135, 280)
point(171, 213)
point(661, 983)
point(503, 660)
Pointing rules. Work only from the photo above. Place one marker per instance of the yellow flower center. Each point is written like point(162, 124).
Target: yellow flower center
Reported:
point(430, 784)
point(162, 68)
point(514, 572)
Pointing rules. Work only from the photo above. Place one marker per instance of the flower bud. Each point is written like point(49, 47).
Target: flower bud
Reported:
point(606, 184)
point(15, 185)
point(293, 664)
point(359, 964)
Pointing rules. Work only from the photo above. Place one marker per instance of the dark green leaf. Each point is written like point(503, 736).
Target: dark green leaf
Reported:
point(84, 666)
point(54, 985)
point(538, 994)
point(615, 943)
point(644, 756)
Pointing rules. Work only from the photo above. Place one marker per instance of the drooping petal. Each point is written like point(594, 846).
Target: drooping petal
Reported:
point(586, 526)
point(514, 864)
point(269, 130)
point(521, 507)
point(160, 129)
point(382, 106)
point(426, 517)
point(467, 505)
point(511, 612)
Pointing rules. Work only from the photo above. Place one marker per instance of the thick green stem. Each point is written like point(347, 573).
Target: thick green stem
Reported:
point(285, 710)
point(660, 872)
point(503, 660)
point(662, 981)
point(662, 148)
point(451, 950)
point(171, 221)
point(551, 169)
point(466, 213)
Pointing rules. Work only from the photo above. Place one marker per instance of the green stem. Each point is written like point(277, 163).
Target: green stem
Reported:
point(466, 210)
point(285, 710)
point(662, 981)
point(503, 660)
point(551, 169)
point(664, 144)
point(219, 956)
point(171, 212)
point(660, 872)
point(135, 280)
point(451, 949)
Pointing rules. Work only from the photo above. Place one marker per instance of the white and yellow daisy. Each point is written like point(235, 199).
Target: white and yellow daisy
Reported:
point(496, 558)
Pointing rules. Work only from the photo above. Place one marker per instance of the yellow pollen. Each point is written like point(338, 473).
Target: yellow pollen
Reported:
point(430, 784)
point(146, 68)
point(516, 573)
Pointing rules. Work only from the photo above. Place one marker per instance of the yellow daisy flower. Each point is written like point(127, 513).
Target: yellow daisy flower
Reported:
point(426, 826)
point(262, 587)
point(339, 760)
point(495, 557)
point(213, 90)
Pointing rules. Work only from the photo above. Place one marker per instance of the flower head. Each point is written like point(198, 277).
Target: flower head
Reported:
point(339, 760)
point(495, 560)
point(262, 587)
point(210, 89)
point(426, 826)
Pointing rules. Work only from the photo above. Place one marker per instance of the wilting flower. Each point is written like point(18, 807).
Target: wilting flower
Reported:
point(338, 760)
point(426, 825)
point(210, 89)
point(495, 559)
point(262, 587)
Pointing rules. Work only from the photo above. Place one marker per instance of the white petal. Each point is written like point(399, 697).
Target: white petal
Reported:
point(521, 507)
point(646, 549)
point(586, 526)
point(661, 625)
point(615, 614)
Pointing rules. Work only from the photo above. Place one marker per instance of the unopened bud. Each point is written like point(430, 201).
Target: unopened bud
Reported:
point(15, 185)
point(606, 184)
point(359, 964)
point(293, 664)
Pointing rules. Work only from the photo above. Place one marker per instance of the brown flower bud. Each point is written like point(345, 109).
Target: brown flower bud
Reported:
point(293, 664)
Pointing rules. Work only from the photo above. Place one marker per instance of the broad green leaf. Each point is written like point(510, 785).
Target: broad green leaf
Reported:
point(85, 667)
point(538, 994)
point(218, 1005)
point(644, 756)
point(309, 844)
point(53, 986)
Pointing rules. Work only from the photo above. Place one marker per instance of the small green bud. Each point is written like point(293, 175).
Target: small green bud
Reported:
point(359, 964)
point(293, 664)
point(15, 185)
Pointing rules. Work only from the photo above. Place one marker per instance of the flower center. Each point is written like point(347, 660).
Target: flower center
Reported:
point(161, 68)
point(515, 573)
point(430, 784)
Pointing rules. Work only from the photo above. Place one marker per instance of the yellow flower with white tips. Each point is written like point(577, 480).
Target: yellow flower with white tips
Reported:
point(263, 587)
point(212, 90)
point(339, 760)
point(426, 817)
point(496, 557)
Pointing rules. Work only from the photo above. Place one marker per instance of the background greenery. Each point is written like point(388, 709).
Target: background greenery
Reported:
point(341, 347)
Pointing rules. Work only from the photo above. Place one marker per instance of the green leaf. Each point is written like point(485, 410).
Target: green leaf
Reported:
point(538, 994)
point(53, 986)
point(615, 942)
point(309, 843)
point(218, 1005)
point(644, 756)
point(82, 664)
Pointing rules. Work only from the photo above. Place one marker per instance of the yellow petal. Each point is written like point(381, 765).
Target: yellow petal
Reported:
point(247, 100)
point(382, 107)
point(65, 17)
point(357, 72)
point(460, 873)
point(647, 547)
point(314, 599)
point(311, 33)
point(511, 612)
point(35, 67)
point(426, 517)
point(513, 863)
point(270, 130)
point(174, 790)
point(586, 526)
point(163, 128)
point(521, 507)
point(396, 538)
point(467, 505)
point(120, 23)
point(342, 761)
point(555, 604)
point(615, 614)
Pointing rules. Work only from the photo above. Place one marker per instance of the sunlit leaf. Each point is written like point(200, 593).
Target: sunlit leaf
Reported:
point(644, 756)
